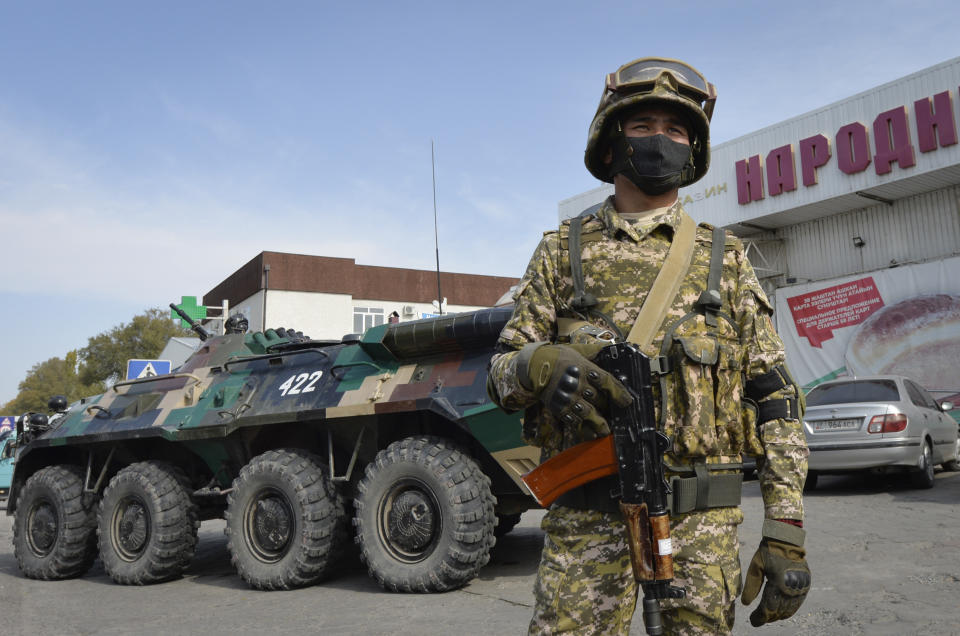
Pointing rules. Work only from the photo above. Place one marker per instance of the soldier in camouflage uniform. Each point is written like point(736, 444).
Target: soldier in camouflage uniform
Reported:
point(723, 389)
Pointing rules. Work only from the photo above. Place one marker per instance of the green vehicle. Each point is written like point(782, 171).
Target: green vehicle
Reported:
point(386, 440)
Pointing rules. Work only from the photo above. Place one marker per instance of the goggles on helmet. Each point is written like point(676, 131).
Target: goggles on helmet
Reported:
point(643, 74)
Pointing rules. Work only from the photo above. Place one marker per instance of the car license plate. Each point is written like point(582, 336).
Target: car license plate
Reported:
point(836, 425)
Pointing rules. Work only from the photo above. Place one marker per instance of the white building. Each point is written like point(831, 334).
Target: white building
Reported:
point(851, 215)
point(327, 298)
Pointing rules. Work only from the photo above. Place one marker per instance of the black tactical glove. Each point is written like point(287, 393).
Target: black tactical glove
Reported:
point(784, 566)
point(571, 387)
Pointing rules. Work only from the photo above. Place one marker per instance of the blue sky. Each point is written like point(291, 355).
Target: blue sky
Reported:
point(149, 150)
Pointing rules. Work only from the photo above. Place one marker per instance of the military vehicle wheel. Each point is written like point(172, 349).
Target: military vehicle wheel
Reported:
point(54, 533)
point(506, 523)
point(148, 524)
point(285, 521)
point(424, 516)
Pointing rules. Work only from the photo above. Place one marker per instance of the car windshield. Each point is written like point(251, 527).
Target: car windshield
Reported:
point(858, 391)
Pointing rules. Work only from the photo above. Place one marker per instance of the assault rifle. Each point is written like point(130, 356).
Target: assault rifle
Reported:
point(634, 451)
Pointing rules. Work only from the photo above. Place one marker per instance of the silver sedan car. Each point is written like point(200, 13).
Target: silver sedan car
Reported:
point(879, 422)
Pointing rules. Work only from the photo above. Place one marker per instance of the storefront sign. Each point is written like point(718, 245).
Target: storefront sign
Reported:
point(853, 149)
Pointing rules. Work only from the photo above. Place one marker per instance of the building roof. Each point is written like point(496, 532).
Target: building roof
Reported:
point(329, 275)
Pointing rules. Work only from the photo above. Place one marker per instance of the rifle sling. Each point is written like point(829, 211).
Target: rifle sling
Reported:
point(665, 287)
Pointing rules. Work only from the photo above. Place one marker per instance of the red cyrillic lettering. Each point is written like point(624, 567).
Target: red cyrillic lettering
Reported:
point(781, 170)
point(892, 138)
point(749, 180)
point(853, 148)
point(937, 115)
point(814, 152)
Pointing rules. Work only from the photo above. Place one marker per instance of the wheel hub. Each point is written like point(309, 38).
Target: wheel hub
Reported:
point(131, 528)
point(411, 522)
point(269, 526)
point(42, 528)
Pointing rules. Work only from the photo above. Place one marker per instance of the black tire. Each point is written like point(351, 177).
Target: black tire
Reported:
point(506, 523)
point(424, 516)
point(193, 508)
point(148, 524)
point(286, 523)
point(922, 477)
point(811, 483)
point(54, 533)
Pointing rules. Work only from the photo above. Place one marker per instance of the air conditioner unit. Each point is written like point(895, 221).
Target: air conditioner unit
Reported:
point(409, 310)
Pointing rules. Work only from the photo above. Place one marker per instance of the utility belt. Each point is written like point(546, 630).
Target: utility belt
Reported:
point(702, 490)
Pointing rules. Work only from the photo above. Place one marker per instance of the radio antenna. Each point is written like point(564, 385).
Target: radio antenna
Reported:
point(436, 235)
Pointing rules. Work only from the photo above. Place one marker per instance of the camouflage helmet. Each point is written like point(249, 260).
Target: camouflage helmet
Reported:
point(653, 81)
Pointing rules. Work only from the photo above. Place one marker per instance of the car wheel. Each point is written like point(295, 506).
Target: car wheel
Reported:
point(424, 516)
point(811, 483)
point(285, 521)
point(148, 524)
point(54, 533)
point(954, 464)
point(923, 475)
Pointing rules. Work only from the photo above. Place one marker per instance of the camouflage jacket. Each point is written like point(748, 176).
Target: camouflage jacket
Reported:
point(705, 390)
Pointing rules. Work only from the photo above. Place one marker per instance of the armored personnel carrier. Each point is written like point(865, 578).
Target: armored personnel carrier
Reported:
point(386, 440)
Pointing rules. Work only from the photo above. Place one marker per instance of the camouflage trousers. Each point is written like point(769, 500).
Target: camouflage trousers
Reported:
point(585, 582)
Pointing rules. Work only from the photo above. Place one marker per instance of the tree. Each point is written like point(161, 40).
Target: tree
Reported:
point(104, 359)
point(56, 376)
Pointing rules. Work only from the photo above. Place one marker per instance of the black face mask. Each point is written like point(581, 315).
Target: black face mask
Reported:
point(655, 164)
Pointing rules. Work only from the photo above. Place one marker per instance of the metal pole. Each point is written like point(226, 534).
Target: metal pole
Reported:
point(266, 286)
point(436, 236)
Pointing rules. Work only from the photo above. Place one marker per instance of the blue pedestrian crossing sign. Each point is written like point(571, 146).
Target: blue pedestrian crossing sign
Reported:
point(137, 369)
point(7, 423)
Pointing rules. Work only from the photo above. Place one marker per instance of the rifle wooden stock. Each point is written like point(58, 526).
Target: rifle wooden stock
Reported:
point(571, 468)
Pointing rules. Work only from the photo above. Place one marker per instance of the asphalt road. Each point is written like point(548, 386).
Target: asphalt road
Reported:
point(885, 560)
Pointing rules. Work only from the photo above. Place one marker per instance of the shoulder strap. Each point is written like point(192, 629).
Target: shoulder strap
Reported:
point(665, 287)
point(710, 300)
point(582, 301)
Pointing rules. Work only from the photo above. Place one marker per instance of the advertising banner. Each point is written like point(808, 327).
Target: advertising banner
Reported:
point(901, 321)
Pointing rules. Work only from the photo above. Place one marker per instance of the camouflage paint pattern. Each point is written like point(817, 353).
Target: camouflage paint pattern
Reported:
point(241, 381)
point(704, 418)
point(585, 583)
